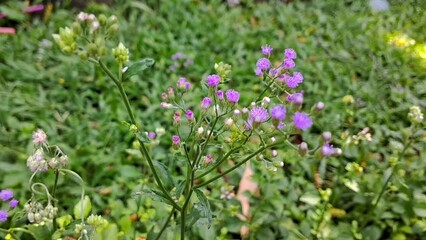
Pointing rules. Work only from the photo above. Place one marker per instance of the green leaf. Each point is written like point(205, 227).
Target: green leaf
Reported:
point(164, 175)
point(13, 14)
point(179, 188)
point(205, 206)
point(155, 195)
point(138, 67)
point(87, 207)
point(310, 198)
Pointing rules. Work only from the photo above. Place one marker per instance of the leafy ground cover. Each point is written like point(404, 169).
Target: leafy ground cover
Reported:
point(368, 68)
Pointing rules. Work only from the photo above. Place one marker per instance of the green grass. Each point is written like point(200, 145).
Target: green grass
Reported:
point(342, 50)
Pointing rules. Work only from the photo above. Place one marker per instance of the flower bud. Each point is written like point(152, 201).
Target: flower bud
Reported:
point(76, 28)
point(111, 20)
point(303, 148)
point(200, 131)
point(176, 142)
point(415, 115)
point(274, 153)
point(112, 30)
point(278, 164)
point(319, 106)
point(326, 136)
point(102, 20)
point(237, 112)
point(121, 53)
point(229, 122)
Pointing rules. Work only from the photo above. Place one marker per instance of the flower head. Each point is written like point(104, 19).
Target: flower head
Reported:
point(258, 72)
point(266, 50)
point(263, 64)
point(289, 63)
point(176, 140)
point(290, 53)
point(3, 216)
point(278, 112)
point(13, 203)
point(121, 53)
point(219, 94)
point(6, 194)
point(302, 120)
point(232, 96)
point(206, 103)
point(36, 162)
point(296, 98)
point(39, 137)
point(190, 115)
point(259, 114)
point(152, 135)
point(177, 56)
point(327, 150)
point(293, 82)
point(213, 80)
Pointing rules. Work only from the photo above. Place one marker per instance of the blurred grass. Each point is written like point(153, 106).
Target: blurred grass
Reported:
point(342, 50)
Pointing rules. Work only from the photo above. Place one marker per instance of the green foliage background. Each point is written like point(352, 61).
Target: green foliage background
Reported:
point(343, 49)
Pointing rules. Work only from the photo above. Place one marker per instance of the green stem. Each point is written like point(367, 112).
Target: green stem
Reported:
point(165, 224)
point(264, 90)
point(53, 195)
point(220, 161)
point(142, 147)
point(237, 165)
point(392, 172)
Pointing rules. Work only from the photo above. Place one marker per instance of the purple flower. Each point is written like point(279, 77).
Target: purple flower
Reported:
point(278, 112)
point(6, 194)
point(187, 85)
point(176, 139)
point(293, 82)
point(176, 117)
point(327, 150)
point(289, 64)
point(3, 215)
point(13, 203)
point(152, 135)
point(259, 115)
point(39, 137)
point(290, 53)
point(249, 124)
point(213, 80)
point(232, 96)
point(188, 63)
point(219, 94)
point(280, 126)
point(258, 72)
point(283, 77)
point(206, 103)
point(273, 72)
point(190, 115)
point(266, 50)
point(302, 120)
point(298, 77)
point(177, 56)
point(263, 64)
point(164, 96)
point(296, 98)
point(183, 84)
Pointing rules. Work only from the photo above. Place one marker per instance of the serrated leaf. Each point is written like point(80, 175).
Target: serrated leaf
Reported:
point(155, 195)
point(164, 174)
point(205, 206)
point(138, 67)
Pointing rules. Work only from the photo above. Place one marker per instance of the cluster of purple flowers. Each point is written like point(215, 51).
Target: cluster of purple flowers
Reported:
point(281, 73)
point(327, 148)
point(6, 196)
point(180, 59)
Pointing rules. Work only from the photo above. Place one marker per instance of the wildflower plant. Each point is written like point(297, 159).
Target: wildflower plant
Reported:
point(207, 132)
